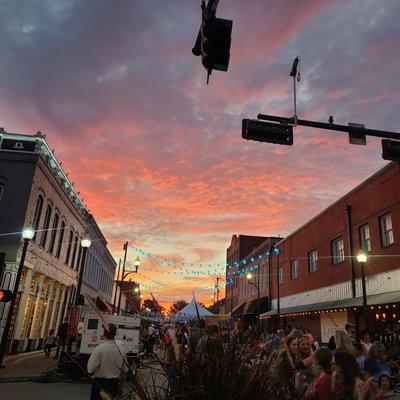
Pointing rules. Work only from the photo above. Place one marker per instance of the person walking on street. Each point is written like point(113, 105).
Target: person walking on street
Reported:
point(62, 335)
point(79, 333)
point(49, 343)
point(107, 365)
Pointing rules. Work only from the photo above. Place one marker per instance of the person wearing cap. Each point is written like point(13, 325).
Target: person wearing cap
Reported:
point(107, 364)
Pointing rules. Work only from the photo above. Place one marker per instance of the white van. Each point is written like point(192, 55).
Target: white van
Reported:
point(127, 333)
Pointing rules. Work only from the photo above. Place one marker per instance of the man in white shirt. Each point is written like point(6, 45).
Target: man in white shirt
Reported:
point(106, 365)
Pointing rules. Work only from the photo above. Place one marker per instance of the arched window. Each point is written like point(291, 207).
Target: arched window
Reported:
point(53, 233)
point(70, 239)
point(60, 239)
point(46, 226)
point(72, 264)
point(38, 213)
point(2, 188)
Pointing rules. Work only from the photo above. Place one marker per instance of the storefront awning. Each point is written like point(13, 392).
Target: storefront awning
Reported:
point(372, 300)
point(263, 306)
point(239, 309)
point(250, 307)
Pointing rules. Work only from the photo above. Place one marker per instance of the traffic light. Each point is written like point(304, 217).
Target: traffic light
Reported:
point(390, 150)
point(213, 41)
point(267, 132)
point(6, 296)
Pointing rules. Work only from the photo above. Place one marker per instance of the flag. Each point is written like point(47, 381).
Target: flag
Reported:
point(197, 310)
point(158, 306)
point(97, 312)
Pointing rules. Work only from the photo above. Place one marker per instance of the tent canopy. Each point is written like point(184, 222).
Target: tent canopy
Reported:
point(189, 312)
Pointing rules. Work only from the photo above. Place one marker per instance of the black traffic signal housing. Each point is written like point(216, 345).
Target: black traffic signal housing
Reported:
point(6, 296)
point(213, 42)
point(391, 150)
point(269, 132)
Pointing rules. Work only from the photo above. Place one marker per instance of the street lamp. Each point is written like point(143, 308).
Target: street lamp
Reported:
point(277, 251)
point(362, 259)
point(137, 263)
point(85, 244)
point(257, 285)
point(27, 235)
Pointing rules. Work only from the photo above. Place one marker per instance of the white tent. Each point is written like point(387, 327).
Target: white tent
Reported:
point(189, 312)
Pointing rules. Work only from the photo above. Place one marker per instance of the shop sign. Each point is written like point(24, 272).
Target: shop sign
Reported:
point(331, 322)
point(18, 145)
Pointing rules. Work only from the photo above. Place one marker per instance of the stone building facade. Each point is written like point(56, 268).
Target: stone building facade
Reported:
point(37, 193)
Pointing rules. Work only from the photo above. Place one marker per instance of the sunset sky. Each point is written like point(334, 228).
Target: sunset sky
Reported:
point(158, 155)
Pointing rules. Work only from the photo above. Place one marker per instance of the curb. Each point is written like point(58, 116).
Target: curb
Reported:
point(24, 354)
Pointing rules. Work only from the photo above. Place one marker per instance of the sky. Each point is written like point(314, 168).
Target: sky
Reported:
point(157, 154)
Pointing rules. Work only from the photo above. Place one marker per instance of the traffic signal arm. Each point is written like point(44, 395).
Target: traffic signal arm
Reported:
point(332, 127)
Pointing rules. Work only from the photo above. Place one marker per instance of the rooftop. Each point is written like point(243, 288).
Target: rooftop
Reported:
point(15, 142)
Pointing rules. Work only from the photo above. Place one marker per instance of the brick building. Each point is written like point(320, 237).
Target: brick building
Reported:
point(247, 254)
point(319, 277)
point(36, 192)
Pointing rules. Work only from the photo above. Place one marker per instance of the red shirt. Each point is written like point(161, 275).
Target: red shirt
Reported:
point(320, 388)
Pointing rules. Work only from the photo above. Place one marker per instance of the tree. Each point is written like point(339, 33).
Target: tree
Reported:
point(178, 306)
point(149, 303)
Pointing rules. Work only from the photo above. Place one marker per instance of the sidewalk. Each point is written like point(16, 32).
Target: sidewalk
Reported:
point(26, 365)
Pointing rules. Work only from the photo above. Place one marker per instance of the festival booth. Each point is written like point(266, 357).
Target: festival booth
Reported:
point(189, 313)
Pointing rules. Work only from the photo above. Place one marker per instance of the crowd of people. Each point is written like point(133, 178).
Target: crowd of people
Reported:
point(348, 368)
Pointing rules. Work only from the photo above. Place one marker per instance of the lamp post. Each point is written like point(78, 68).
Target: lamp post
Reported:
point(277, 251)
point(124, 275)
point(85, 244)
point(27, 235)
point(257, 285)
point(362, 259)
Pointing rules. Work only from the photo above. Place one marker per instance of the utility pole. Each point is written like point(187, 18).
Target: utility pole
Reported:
point(123, 273)
point(116, 286)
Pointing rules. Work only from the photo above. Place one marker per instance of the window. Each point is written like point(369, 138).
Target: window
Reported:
point(280, 275)
point(1, 191)
point(337, 250)
point(387, 230)
point(293, 269)
point(38, 213)
point(60, 239)
point(46, 224)
point(70, 239)
point(312, 261)
point(53, 233)
point(72, 264)
point(365, 239)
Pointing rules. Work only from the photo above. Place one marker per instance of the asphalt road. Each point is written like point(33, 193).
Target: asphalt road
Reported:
point(44, 391)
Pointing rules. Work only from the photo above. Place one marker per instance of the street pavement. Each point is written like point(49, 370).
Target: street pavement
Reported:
point(18, 380)
point(27, 366)
point(45, 391)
